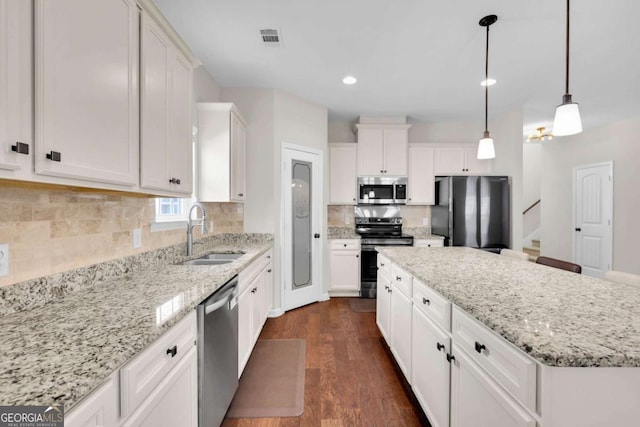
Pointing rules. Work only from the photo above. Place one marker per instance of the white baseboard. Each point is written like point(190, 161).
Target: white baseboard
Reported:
point(324, 297)
point(275, 312)
point(334, 294)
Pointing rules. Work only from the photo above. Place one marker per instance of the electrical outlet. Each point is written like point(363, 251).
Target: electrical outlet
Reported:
point(137, 238)
point(4, 259)
point(425, 221)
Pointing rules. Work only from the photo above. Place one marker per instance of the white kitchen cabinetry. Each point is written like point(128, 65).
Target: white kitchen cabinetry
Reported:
point(383, 298)
point(477, 401)
point(400, 328)
point(254, 302)
point(421, 178)
point(99, 409)
point(383, 149)
point(428, 243)
point(459, 159)
point(431, 372)
point(222, 136)
point(166, 156)
point(86, 90)
point(343, 173)
point(345, 266)
point(16, 63)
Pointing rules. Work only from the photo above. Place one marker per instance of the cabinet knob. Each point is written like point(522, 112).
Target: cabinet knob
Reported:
point(382, 264)
point(174, 181)
point(381, 171)
point(426, 301)
point(54, 156)
point(398, 279)
point(450, 358)
point(357, 256)
point(385, 171)
point(240, 194)
point(173, 351)
point(480, 347)
point(390, 290)
point(317, 236)
point(253, 291)
point(354, 199)
point(345, 245)
point(20, 148)
point(386, 287)
point(269, 271)
point(439, 346)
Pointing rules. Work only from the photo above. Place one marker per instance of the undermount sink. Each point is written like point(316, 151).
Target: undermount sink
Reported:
point(213, 259)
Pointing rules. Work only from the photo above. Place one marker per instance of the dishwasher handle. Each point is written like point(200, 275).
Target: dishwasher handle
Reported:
point(219, 301)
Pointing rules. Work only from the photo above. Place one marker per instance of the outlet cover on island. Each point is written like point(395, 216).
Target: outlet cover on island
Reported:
point(137, 238)
point(425, 221)
point(4, 260)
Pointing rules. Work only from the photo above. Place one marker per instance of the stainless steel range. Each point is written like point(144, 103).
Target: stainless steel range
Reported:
point(377, 226)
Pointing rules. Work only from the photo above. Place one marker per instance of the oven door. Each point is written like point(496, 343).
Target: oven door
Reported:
point(376, 194)
point(368, 271)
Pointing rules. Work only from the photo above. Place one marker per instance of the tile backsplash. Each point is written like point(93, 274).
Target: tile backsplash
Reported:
point(52, 229)
point(342, 215)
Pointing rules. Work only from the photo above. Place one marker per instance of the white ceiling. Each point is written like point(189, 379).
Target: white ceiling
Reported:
point(423, 58)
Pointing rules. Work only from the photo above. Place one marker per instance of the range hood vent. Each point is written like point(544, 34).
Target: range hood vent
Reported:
point(271, 37)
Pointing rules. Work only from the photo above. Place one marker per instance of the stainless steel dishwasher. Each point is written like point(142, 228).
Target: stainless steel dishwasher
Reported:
point(217, 354)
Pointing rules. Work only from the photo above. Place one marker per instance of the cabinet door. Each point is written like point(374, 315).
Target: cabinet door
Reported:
point(345, 270)
point(245, 327)
point(400, 330)
point(370, 152)
point(342, 175)
point(477, 401)
point(238, 159)
point(99, 409)
point(257, 291)
point(180, 145)
point(16, 119)
point(431, 373)
point(383, 306)
point(396, 143)
point(421, 175)
point(267, 294)
point(473, 165)
point(175, 401)
point(449, 160)
point(86, 90)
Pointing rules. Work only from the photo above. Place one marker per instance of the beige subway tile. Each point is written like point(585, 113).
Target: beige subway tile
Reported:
point(32, 232)
point(65, 228)
point(48, 212)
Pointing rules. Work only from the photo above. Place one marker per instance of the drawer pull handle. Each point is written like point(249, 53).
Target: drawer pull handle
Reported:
point(426, 301)
point(440, 346)
point(268, 256)
point(382, 264)
point(480, 347)
point(269, 271)
point(390, 290)
point(54, 156)
point(450, 358)
point(398, 278)
point(20, 148)
point(253, 291)
point(386, 287)
point(173, 351)
point(240, 194)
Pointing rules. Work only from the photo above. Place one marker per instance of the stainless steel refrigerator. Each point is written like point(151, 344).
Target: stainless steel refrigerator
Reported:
point(473, 211)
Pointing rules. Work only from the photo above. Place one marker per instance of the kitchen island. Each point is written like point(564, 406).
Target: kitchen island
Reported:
point(577, 338)
point(64, 349)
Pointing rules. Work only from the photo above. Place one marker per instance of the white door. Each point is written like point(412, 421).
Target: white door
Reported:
point(302, 212)
point(593, 208)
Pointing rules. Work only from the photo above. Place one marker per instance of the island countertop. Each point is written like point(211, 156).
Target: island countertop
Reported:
point(61, 351)
point(556, 317)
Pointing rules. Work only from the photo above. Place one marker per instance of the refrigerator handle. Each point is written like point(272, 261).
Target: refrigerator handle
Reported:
point(450, 195)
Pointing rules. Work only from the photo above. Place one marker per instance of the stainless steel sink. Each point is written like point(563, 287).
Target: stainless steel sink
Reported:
point(213, 259)
point(223, 256)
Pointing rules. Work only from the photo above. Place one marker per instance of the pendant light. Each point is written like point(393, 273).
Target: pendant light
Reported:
point(567, 120)
point(486, 149)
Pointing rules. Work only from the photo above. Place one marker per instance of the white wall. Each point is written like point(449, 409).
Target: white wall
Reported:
point(618, 142)
point(341, 131)
point(531, 172)
point(205, 88)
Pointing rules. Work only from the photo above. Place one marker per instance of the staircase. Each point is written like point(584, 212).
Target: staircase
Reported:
point(533, 251)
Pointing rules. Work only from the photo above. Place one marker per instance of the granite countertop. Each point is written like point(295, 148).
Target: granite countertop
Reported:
point(557, 317)
point(342, 233)
point(61, 351)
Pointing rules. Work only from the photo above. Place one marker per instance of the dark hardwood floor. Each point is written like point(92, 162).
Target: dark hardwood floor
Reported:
point(351, 378)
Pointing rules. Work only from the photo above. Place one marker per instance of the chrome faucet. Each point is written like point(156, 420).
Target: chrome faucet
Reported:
point(194, 223)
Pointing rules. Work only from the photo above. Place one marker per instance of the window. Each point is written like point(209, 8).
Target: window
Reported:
point(171, 209)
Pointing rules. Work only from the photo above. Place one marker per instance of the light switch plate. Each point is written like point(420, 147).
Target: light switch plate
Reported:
point(4, 259)
point(425, 221)
point(137, 238)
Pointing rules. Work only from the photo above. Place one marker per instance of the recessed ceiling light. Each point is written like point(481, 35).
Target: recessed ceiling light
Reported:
point(349, 80)
point(488, 82)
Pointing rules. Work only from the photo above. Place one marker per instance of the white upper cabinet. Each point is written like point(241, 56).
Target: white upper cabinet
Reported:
point(421, 179)
point(222, 135)
point(86, 90)
point(342, 174)
point(16, 118)
point(459, 159)
point(382, 149)
point(166, 147)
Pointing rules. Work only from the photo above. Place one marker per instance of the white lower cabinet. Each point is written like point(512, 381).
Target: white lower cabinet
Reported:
point(99, 409)
point(431, 372)
point(383, 304)
point(477, 401)
point(345, 265)
point(400, 325)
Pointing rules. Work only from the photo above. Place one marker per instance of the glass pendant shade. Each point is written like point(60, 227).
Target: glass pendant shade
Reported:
point(485, 148)
point(567, 120)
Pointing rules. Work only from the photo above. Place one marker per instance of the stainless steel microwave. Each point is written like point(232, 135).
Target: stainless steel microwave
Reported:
point(382, 190)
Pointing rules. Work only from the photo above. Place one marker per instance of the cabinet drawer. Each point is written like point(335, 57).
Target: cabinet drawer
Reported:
point(384, 265)
point(428, 243)
point(402, 280)
point(350, 244)
point(143, 374)
point(508, 366)
point(433, 305)
point(250, 272)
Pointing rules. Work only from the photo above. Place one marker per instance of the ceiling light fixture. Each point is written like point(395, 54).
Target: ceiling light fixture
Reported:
point(567, 120)
point(540, 135)
point(488, 82)
point(486, 149)
point(349, 80)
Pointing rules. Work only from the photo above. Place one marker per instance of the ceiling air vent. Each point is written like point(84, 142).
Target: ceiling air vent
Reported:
point(270, 37)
